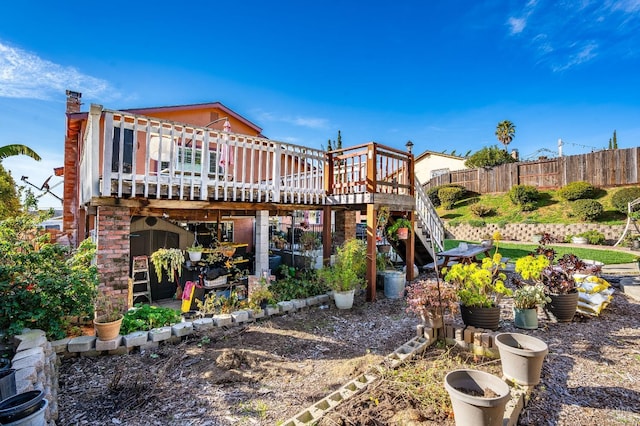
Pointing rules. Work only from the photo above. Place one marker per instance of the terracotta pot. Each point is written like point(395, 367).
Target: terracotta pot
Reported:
point(107, 330)
point(402, 233)
point(563, 306)
point(488, 318)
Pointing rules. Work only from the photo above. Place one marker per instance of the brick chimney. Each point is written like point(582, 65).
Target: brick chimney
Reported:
point(73, 101)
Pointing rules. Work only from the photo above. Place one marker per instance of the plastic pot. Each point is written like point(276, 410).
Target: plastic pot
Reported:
point(20, 406)
point(521, 357)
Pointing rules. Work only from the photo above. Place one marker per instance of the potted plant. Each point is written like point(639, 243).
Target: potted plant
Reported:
point(260, 296)
point(431, 300)
point(347, 274)
point(195, 253)
point(279, 241)
point(558, 281)
point(480, 289)
point(526, 300)
point(108, 311)
point(400, 229)
point(169, 261)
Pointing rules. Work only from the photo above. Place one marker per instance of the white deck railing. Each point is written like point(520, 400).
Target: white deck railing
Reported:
point(153, 158)
point(428, 217)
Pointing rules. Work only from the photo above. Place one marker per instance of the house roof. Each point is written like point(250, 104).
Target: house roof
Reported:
point(428, 153)
point(80, 116)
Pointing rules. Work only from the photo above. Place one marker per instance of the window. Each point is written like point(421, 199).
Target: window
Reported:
point(439, 172)
point(193, 162)
point(127, 155)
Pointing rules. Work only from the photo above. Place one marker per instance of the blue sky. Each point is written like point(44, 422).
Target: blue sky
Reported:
point(439, 73)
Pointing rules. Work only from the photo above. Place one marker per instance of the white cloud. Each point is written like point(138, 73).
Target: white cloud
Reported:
point(26, 75)
point(571, 33)
point(517, 25)
point(585, 54)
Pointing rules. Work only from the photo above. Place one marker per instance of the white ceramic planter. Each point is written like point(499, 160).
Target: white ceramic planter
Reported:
point(343, 299)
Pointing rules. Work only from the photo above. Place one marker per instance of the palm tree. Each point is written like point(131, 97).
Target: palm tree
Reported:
point(17, 149)
point(505, 132)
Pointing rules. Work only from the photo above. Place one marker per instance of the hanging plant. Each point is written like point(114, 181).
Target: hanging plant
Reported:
point(169, 260)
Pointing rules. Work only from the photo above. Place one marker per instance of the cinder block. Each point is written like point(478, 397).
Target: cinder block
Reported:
point(137, 338)
point(459, 334)
point(272, 310)
point(299, 304)
point(468, 334)
point(203, 324)
point(323, 298)
point(81, 344)
point(222, 320)
point(487, 340)
point(240, 316)
point(257, 314)
point(59, 346)
point(312, 301)
point(37, 351)
point(286, 306)
point(159, 334)
point(182, 329)
point(108, 345)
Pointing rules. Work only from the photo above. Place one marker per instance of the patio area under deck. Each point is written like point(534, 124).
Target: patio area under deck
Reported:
point(183, 170)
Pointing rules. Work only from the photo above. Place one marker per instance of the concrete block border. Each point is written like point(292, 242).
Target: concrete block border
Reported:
point(478, 341)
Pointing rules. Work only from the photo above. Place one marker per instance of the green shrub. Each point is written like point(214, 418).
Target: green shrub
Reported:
point(586, 210)
point(489, 156)
point(620, 199)
point(477, 223)
point(449, 195)
point(432, 193)
point(524, 196)
point(502, 224)
point(593, 236)
point(577, 191)
point(146, 317)
point(453, 223)
point(42, 284)
point(481, 210)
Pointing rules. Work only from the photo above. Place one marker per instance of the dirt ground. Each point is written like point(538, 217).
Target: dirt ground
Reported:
point(263, 373)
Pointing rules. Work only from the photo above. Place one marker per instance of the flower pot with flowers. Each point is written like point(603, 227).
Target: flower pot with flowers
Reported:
point(526, 300)
point(557, 279)
point(480, 289)
point(432, 300)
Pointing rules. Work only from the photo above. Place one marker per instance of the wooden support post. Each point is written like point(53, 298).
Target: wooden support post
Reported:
point(411, 247)
point(326, 235)
point(371, 253)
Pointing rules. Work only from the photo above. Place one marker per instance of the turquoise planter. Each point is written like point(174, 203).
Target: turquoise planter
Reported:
point(525, 318)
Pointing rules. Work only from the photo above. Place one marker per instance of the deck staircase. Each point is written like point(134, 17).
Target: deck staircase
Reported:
point(429, 230)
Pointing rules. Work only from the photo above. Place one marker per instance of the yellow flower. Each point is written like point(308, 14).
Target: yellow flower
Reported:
point(497, 236)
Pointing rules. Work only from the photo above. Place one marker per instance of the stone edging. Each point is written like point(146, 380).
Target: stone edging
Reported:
point(40, 370)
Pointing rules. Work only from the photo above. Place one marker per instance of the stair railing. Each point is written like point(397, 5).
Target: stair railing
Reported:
point(428, 216)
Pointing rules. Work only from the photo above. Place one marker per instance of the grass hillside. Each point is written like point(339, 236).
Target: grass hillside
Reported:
point(550, 209)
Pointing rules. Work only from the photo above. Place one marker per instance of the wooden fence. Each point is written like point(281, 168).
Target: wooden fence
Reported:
point(602, 169)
